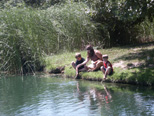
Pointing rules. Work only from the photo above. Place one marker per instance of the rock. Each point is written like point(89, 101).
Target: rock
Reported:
point(57, 70)
point(130, 65)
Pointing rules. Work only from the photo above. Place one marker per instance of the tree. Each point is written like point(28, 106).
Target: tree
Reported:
point(119, 17)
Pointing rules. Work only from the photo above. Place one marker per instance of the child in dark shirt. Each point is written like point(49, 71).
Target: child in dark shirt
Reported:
point(79, 60)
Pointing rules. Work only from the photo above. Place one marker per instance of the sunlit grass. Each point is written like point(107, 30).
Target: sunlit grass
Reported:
point(140, 75)
point(115, 54)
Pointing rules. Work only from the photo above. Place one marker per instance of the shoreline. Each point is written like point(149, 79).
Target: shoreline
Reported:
point(132, 65)
point(109, 81)
point(99, 78)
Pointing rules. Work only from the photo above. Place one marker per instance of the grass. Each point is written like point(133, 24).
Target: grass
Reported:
point(143, 75)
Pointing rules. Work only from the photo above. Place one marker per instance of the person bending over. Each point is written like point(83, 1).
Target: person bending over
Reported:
point(107, 67)
point(95, 56)
point(79, 60)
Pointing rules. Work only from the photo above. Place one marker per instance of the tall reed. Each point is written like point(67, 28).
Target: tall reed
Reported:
point(26, 35)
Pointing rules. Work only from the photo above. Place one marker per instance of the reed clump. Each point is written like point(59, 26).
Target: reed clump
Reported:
point(27, 35)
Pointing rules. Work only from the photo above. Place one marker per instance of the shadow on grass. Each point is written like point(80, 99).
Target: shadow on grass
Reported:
point(141, 77)
point(137, 45)
point(138, 75)
point(140, 55)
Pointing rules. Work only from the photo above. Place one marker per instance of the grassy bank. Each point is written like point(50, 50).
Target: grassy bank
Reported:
point(132, 64)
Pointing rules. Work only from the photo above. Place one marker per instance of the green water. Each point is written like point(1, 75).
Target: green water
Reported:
point(55, 96)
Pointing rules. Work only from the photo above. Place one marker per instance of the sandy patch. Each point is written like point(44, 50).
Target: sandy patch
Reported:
point(136, 49)
point(119, 64)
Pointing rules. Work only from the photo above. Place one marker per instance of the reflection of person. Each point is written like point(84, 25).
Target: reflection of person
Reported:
point(99, 97)
point(95, 97)
point(107, 67)
point(96, 58)
point(79, 60)
point(107, 93)
point(81, 92)
point(77, 86)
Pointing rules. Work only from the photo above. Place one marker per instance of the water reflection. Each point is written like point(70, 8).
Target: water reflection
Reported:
point(117, 100)
point(64, 97)
point(95, 96)
point(97, 99)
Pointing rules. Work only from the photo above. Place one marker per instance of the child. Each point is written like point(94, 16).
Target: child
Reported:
point(79, 60)
point(107, 67)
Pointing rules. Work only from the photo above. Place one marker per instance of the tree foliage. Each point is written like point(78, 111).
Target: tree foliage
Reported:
point(119, 18)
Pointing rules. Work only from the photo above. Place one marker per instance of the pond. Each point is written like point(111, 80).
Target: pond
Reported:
point(56, 96)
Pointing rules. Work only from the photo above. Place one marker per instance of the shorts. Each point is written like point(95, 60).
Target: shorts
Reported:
point(92, 65)
point(110, 72)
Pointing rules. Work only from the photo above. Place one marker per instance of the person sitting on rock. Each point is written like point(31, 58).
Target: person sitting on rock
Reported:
point(79, 60)
point(107, 68)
